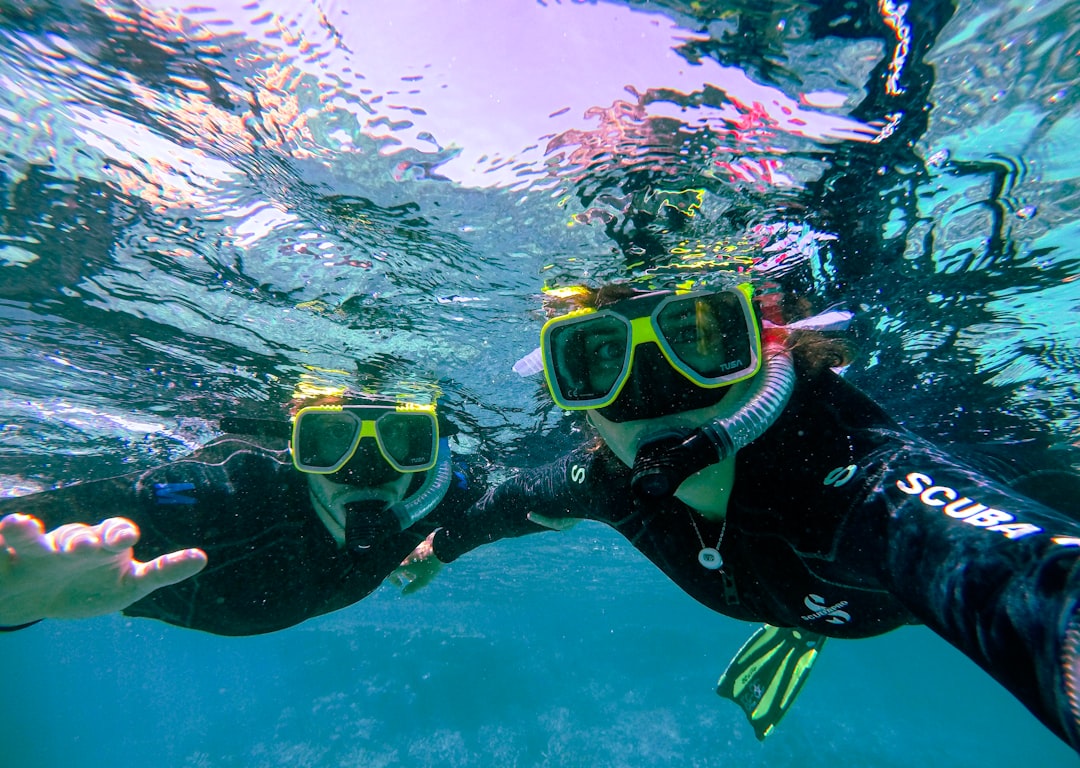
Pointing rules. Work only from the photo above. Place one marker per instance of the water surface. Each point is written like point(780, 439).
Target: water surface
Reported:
point(203, 204)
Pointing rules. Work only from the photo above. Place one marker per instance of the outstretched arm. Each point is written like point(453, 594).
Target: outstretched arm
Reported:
point(545, 498)
point(993, 572)
point(542, 499)
point(77, 570)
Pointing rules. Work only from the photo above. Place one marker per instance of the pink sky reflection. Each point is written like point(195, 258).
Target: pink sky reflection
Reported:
point(496, 79)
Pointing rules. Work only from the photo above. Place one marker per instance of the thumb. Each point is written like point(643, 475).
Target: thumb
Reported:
point(169, 569)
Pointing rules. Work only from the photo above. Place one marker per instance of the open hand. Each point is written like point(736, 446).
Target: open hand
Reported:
point(418, 569)
point(77, 570)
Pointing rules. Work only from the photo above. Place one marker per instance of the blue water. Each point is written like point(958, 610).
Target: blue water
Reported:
point(496, 664)
point(501, 663)
point(204, 204)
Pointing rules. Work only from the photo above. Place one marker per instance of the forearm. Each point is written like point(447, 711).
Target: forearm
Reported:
point(992, 572)
point(507, 511)
point(500, 514)
point(83, 503)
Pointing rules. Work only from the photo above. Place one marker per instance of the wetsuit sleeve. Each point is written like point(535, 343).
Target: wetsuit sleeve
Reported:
point(241, 504)
point(555, 490)
point(88, 503)
point(216, 469)
point(991, 571)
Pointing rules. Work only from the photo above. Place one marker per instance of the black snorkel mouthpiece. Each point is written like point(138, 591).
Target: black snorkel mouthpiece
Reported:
point(664, 462)
point(366, 522)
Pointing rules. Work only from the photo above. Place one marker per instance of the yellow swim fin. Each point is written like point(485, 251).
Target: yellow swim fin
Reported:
point(767, 673)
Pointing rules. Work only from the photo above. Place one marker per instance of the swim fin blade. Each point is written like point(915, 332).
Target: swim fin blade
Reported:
point(768, 672)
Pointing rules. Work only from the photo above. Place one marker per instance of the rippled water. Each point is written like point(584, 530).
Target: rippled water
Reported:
point(203, 204)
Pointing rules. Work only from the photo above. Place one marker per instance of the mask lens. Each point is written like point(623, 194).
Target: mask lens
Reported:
point(589, 357)
point(324, 439)
point(708, 335)
point(408, 440)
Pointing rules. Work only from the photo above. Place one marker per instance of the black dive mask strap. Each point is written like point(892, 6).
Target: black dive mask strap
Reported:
point(238, 425)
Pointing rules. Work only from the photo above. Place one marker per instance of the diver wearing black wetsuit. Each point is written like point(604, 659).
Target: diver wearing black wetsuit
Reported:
point(842, 523)
point(272, 562)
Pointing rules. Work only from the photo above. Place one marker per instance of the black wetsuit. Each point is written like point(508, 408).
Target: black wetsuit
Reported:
point(272, 563)
point(843, 523)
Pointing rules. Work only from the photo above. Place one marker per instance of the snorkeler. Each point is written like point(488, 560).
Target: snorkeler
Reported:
point(771, 490)
point(267, 526)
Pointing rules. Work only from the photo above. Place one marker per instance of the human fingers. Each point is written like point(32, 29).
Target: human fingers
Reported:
point(21, 533)
point(419, 580)
point(75, 537)
point(420, 575)
point(422, 552)
point(117, 534)
point(169, 569)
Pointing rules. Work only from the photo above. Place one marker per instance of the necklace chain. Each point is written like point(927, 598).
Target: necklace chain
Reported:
point(709, 557)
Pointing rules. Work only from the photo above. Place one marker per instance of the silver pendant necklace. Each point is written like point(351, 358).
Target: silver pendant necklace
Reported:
point(709, 557)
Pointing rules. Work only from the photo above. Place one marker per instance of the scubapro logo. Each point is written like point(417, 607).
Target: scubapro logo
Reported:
point(963, 508)
point(831, 613)
point(577, 473)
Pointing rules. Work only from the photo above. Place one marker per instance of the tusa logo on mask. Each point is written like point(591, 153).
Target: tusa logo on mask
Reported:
point(733, 365)
point(963, 508)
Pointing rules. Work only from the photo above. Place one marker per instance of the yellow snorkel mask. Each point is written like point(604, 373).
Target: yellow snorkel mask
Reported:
point(710, 338)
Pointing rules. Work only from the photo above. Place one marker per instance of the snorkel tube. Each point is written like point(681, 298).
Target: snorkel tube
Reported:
point(662, 464)
point(367, 521)
point(428, 496)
